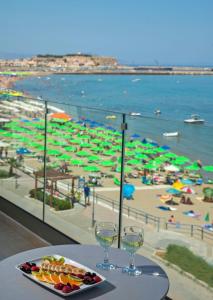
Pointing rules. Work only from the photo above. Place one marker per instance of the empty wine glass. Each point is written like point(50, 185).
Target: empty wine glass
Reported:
point(132, 239)
point(106, 233)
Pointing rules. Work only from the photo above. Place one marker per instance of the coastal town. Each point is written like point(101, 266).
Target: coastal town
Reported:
point(78, 63)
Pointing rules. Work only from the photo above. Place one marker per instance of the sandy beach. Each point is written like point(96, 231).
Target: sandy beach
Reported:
point(98, 146)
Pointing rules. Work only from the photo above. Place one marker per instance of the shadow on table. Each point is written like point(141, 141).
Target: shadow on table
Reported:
point(152, 271)
point(94, 292)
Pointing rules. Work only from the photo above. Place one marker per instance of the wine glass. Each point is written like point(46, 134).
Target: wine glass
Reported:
point(132, 239)
point(106, 233)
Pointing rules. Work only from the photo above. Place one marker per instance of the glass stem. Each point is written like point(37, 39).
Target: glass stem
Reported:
point(132, 261)
point(106, 255)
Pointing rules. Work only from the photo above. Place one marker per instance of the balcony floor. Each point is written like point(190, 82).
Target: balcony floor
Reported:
point(15, 238)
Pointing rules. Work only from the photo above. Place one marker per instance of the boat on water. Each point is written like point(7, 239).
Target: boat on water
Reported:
point(135, 114)
point(136, 79)
point(195, 119)
point(171, 134)
point(157, 112)
point(111, 117)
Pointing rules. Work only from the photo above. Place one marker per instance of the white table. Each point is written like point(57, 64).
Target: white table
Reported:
point(14, 285)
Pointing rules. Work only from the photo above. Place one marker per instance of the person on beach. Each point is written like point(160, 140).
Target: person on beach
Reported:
point(1, 152)
point(171, 219)
point(6, 152)
point(87, 194)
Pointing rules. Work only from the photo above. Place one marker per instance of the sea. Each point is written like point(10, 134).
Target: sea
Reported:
point(99, 97)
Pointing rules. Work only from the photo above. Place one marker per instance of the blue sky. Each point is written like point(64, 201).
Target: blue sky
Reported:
point(135, 31)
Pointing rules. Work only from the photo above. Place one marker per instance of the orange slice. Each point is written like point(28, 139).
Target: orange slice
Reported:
point(63, 278)
point(55, 278)
point(46, 277)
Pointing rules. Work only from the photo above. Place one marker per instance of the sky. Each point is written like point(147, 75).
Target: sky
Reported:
point(145, 32)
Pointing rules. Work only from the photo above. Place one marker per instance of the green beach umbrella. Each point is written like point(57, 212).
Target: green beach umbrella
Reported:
point(84, 137)
point(97, 149)
point(109, 153)
point(107, 163)
point(130, 145)
point(64, 157)
point(127, 169)
point(91, 169)
point(70, 148)
point(96, 141)
point(208, 168)
point(93, 158)
point(141, 156)
point(149, 167)
point(85, 145)
point(129, 153)
point(105, 144)
point(133, 162)
point(53, 152)
point(192, 168)
point(76, 141)
point(82, 153)
point(77, 162)
point(170, 155)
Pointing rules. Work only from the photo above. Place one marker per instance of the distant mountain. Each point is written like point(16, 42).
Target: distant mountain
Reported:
point(10, 55)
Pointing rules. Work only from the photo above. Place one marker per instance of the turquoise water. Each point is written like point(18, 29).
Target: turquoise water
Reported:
point(176, 96)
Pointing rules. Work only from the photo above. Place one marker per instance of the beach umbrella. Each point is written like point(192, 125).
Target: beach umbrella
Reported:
point(64, 157)
point(109, 153)
point(116, 148)
point(149, 167)
point(92, 169)
point(192, 168)
point(97, 149)
point(188, 190)
point(59, 143)
point(107, 163)
point(53, 152)
point(85, 145)
point(208, 168)
point(82, 153)
point(77, 162)
point(129, 153)
point(70, 148)
point(133, 162)
point(76, 141)
point(141, 156)
point(130, 145)
point(93, 158)
point(165, 147)
point(170, 155)
point(96, 141)
point(60, 116)
point(128, 190)
point(23, 151)
point(127, 169)
point(105, 144)
point(171, 168)
point(178, 162)
point(173, 191)
point(187, 181)
point(207, 217)
point(135, 136)
point(84, 137)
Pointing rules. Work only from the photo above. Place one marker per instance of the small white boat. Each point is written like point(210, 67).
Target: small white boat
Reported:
point(111, 117)
point(135, 114)
point(195, 119)
point(136, 79)
point(171, 134)
point(157, 112)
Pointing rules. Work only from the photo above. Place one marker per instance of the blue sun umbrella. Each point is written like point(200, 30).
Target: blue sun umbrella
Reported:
point(128, 191)
point(173, 191)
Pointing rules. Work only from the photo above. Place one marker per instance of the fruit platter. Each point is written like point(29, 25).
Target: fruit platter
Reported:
point(60, 274)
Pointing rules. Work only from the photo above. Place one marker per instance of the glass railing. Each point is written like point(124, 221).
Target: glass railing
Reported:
point(72, 166)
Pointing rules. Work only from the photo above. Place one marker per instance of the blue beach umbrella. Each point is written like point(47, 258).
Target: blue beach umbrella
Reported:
point(135, 136)
point(128, 191)
point(173, 191)
point(23, 151)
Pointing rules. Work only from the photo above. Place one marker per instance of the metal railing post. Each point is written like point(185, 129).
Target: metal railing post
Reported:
point(123, 129)
point(45, 158)
point(93, 207)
